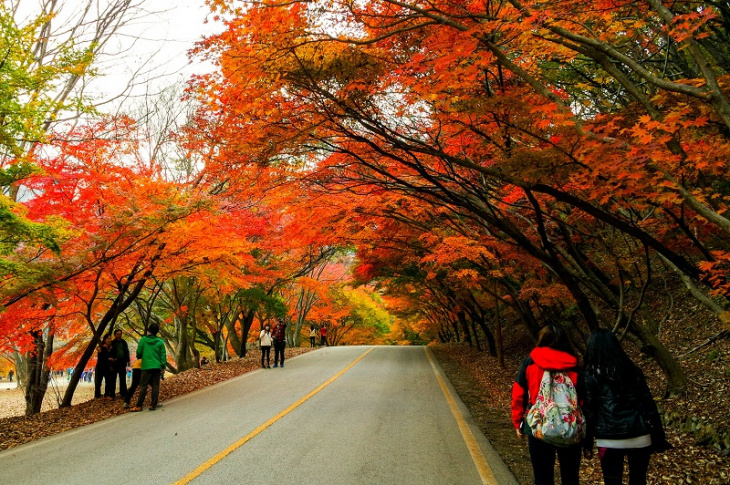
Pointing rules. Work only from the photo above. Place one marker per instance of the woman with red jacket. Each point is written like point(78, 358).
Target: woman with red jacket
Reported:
point(552, 352)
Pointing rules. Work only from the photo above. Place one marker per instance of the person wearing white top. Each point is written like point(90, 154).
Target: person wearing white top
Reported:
point(620, 411)
point(265, 341)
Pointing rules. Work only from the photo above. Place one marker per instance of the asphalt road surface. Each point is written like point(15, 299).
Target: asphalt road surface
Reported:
point(339, 415)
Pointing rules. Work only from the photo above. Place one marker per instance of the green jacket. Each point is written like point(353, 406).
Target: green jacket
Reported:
point(151, 350)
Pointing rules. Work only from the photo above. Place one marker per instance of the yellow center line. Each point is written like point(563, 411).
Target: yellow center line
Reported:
point(485, 472)
point(208, 464)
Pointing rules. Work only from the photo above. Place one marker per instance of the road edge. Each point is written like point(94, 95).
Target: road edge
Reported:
point(498, 468)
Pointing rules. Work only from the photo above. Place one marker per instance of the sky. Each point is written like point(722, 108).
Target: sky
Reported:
point(152, 51)
point(148, 52)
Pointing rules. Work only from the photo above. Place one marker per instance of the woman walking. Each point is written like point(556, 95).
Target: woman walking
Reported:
point(620, 411)
point(551, 353)
point(265, 340)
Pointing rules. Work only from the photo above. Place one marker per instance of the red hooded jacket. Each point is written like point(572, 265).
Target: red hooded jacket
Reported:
point(527, 382)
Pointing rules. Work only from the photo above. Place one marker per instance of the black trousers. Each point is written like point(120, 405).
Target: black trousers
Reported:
point(312, 341)
point(150, 377)
point(612, 465)
point(279, 351)
point(100, 376)
point(266, 351)
point(136, 377)
point(542, 456)
point(121, 374)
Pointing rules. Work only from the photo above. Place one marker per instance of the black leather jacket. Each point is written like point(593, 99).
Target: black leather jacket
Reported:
point(621, 408)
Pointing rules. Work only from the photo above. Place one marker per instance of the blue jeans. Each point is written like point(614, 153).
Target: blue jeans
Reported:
point(542, 455)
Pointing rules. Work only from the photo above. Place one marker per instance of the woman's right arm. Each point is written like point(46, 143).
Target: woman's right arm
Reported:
point(591, 398)
point(650, 413)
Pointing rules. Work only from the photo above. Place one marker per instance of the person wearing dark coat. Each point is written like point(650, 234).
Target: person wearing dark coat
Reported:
point(102, 370)
point(279, 334)
point(620, 411)
point(119, 359)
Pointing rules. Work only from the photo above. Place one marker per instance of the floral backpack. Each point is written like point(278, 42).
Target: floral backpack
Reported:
point(556, 417)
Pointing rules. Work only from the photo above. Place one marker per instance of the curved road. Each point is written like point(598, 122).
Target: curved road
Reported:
point(339, 415)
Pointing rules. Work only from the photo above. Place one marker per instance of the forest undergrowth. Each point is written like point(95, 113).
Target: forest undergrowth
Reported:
point(696, 421)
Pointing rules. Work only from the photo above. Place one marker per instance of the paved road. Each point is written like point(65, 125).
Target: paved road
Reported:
point(339, 415)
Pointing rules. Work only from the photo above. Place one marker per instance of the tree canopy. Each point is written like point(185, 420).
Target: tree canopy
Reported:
point(393, 171)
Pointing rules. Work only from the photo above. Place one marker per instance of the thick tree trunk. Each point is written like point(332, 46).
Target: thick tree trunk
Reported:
point(246, 328)
point(465, 325)
point(233, 337)
point(239, 342)
point(476, 335)
point(676, 378)
point(37, 372)
point(184, 355)
point(457, 334)
point(491, 344)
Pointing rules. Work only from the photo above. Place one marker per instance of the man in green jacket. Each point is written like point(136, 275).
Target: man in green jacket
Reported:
point(151, 350)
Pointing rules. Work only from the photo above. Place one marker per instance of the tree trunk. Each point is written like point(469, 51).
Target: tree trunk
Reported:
point(476, 335)
point(457, 334)
point(676, 378)
point(246, 328)
point(182, 356)
point(37, 372)
point(21, 367)
point(465, 325)
point(218, 350)
point(80, 366)
point(239, 343)
point(498, 333)
point(489, 336)
point(233, 336)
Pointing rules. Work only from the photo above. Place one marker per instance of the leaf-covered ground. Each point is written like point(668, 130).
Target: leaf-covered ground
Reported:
point(485, 389)
point(22, 429)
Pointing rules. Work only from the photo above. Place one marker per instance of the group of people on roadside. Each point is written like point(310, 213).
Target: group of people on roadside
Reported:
point(313, 336)
point(112, 361)
point(613, 406)
point(275, 338)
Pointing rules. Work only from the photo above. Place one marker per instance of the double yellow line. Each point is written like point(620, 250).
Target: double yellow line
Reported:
point(208, 464)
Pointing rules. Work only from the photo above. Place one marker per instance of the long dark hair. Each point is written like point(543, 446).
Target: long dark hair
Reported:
point(605, 357)
point(554, 337)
